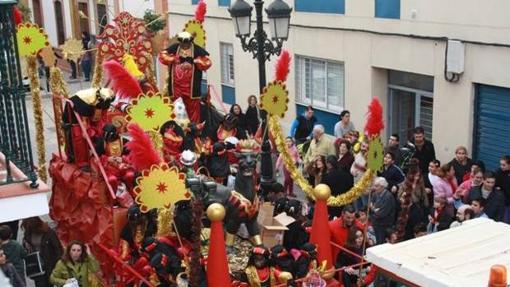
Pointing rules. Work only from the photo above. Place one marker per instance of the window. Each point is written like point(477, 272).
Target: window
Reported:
point(102, 17)
point(227, 73)
point(224, 3)
point(320, 83)
point(59, 20)
point(227, 64)
point(320, 6)
point(387, 9)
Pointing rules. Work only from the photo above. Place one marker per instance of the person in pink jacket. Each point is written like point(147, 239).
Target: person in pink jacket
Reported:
point(442, 186)
point(288, 183)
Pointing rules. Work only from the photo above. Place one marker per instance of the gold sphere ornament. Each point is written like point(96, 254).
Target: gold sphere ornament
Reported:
point(216, 212)
point(322, 191)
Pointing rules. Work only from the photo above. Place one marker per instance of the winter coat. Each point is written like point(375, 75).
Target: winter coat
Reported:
point(495, 205)
point(81, 271)
point(50, 249)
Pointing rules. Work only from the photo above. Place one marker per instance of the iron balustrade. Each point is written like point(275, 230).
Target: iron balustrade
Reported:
point(15, 142)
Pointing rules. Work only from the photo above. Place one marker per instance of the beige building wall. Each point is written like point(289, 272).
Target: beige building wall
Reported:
point(368, 56)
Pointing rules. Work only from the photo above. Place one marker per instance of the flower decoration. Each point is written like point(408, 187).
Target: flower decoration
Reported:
point(150, 111)
point(72, 49)
point(160, 187)
point(126, 35)
point(31, 39)
point(375, 154)
point(274, 98)
point(195, 28)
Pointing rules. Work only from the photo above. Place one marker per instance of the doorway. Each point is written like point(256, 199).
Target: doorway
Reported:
point(38, 15)
point(84, 21)
point(59, 20)
point(409, 108)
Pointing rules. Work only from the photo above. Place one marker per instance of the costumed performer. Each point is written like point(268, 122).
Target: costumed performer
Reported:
point(186, 62)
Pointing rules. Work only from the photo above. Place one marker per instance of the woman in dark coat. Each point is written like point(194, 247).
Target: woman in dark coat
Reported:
point(344, 153)
point(241, 117)
point(38, 236)
point(253, 115)
point(338, 180)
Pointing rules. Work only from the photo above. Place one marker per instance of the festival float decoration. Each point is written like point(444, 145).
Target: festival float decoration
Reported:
point(186, 61)
point(160, 186)
point(31, 39)
point(195, 27)
point(72, 49)
point(150, 111)
point(274, 102)
point(125, 36)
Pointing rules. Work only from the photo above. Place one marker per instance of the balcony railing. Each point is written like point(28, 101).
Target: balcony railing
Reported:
point(14, 132)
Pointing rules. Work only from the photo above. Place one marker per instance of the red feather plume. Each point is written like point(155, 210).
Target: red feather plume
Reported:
point(17, 15)
point(200, 11)
point(142, 153)
point(375, 121)
point(282, 66)
point(123, 83)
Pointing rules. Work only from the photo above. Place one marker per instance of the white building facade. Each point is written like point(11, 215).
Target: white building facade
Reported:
point(347, 51)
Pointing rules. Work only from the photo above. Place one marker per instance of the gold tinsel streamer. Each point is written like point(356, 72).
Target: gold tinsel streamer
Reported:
point(165, 220)
point(38, 115)
point(340, 200)
point(98, 72)
point(150, 73)
point(59, 89)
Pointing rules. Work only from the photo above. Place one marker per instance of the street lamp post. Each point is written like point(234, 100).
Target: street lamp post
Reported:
point(262, 47)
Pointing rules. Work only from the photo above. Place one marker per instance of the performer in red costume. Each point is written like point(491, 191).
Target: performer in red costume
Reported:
point(91, 105)
point(185, 62)
point(259, 271)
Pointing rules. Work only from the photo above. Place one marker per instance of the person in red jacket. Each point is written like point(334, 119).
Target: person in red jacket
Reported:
point(339, 227)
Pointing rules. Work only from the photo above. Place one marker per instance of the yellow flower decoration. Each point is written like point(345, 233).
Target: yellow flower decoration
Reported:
point(160, 187)
point(150, 111)
point(195, 28)
point(72, 49)
point(274, 98)
point(375, 158)
point(31, 39)
point(356, 191)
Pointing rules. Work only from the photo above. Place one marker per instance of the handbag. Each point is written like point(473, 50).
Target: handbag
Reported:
point(34, 265)
point(72, 283)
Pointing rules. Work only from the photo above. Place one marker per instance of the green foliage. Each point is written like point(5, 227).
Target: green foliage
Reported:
point(25, 11)
point(154, 22)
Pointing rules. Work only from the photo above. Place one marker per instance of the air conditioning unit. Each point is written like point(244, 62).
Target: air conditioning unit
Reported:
point(455, 57)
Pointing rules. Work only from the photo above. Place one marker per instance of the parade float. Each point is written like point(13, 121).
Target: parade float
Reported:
point(141, 174)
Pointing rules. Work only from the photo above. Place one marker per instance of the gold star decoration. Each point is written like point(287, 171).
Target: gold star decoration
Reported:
point(72, 49)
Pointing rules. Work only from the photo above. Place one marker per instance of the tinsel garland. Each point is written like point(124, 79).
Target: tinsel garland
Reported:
point(197, 206)
point(340, 200)
point(98, 71)
point(59, 90)
point(165, 221)
point(150, 74)
point(38, 115)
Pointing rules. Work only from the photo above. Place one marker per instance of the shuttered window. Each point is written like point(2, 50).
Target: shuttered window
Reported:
point(492, 125)
point(320, 83)
point(227, 64)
